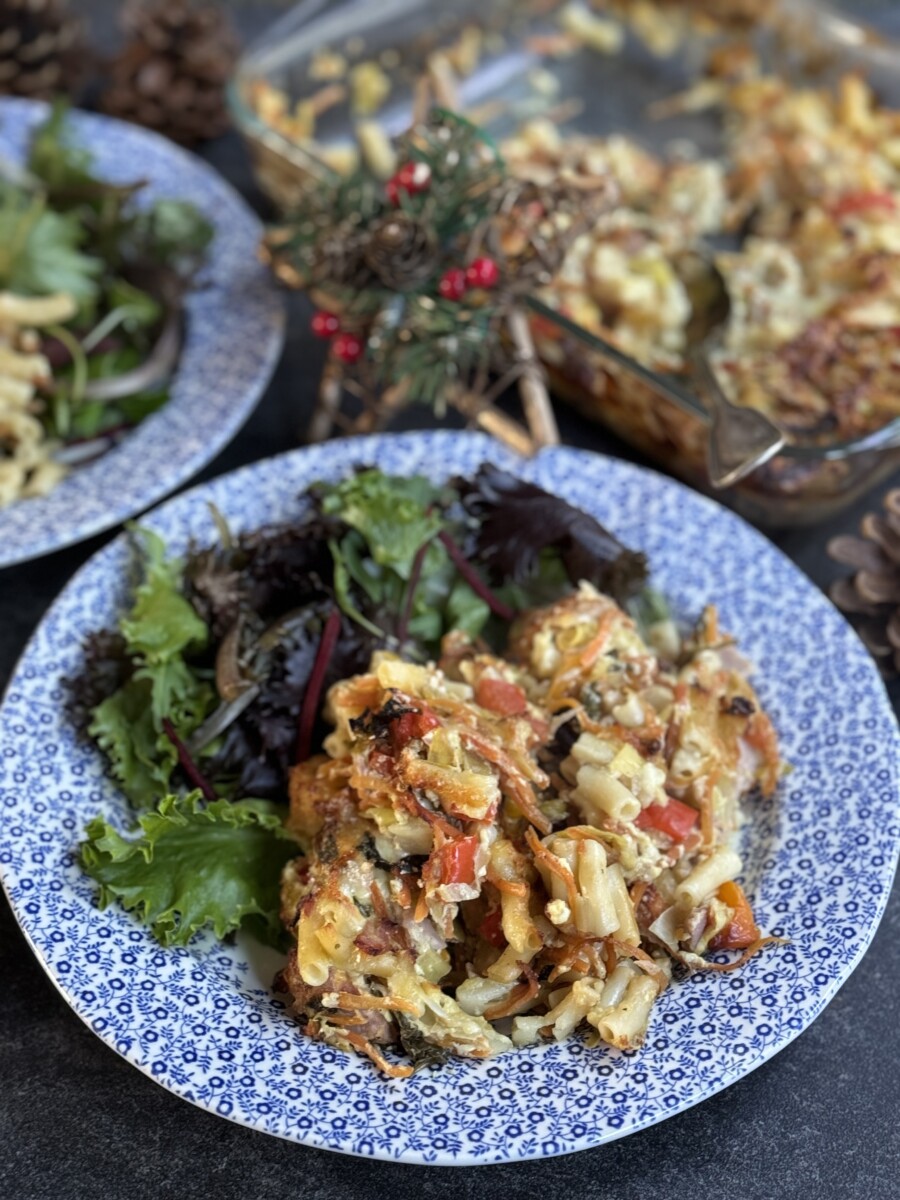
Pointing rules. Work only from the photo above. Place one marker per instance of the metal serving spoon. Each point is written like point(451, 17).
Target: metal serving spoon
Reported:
point(740, 438)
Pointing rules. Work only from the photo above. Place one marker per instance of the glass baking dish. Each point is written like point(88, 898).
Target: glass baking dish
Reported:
point(306, 61)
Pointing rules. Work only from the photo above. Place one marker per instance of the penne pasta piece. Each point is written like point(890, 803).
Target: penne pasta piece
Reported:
point(708, 876)
point(598, 793)
point(627, 923)
point(625, 1025)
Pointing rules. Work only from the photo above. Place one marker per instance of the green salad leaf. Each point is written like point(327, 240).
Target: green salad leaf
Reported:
point(52, 158)
point(158, 629)
point(195, 866)
point(161, 623)
point(395, 515)
point(391, 517)
point(170, 232)
point(40, 250)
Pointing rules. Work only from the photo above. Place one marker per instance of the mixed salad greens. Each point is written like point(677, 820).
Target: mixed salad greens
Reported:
point(126, 267)
point(211, 685)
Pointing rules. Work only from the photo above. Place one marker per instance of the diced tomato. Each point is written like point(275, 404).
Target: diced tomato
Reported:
point(491, 929)
point(456, 860)
point(412, 725)
point(860, 202)
point(506, 699)
point(675, 819)
point(742, 930)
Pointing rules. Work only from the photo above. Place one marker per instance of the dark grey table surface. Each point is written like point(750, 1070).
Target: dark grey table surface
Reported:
point(820, 1119)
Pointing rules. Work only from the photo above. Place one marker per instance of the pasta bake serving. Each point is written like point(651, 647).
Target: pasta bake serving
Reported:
point(536, 838)
point(522, 817)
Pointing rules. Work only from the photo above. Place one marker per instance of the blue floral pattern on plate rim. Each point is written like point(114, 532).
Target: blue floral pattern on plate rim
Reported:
point(202, 1021)
point(235, 331)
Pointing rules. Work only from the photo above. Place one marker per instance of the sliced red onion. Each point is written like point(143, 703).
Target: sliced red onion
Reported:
point(156, 368)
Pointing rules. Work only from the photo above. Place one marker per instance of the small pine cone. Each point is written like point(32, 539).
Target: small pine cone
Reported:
point(341, 258)
point(42, 50)
point(172, 73)
point(536, 224)
point(402, 251)
point(871, 596)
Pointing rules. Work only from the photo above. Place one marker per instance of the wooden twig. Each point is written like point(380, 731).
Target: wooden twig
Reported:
point(328, 404)
point(532, 385)
point(494, 422)
point(381, 409)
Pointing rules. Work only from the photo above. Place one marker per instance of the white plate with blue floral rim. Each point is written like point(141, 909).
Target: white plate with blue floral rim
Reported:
point(204, 1022)
point(234, 335)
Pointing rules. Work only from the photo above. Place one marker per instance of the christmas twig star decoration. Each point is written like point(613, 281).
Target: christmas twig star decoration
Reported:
point(420, 282)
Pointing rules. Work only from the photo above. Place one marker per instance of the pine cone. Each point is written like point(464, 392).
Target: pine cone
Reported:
point(171, 75)
point(402, 251)
point(42, 51)
point(871, 597)
point(341, 257)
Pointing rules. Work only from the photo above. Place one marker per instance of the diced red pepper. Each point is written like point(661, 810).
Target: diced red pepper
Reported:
point(742, 931)
point(412, 725)
point(491, 929)
point(859, 202)
point(675, 819)
point(499, 696)
point(456, 860)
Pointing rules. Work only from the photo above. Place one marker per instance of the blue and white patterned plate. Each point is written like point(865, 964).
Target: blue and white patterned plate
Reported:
point(203, 1022)
point(235, 330)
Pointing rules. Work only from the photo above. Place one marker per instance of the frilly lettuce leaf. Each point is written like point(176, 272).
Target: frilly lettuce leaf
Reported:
point(395, 515)
point(127, 725)
point(194, 866)
point(161, 623)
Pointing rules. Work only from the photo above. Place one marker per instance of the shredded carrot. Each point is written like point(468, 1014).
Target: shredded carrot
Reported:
point(554, 865)
point(421, 907)
point(395, 1071)
point(378, 901)
point(710, 619)
point(346, 1019)
point(567, 958)
point(510, 888)
point(403, 895)
point(517, 999)
point(748, 954)
point(584, 833)
point(637, 893)
point(762, 737)
point(643, 960)
point(517, 788)
point(588, 656)
point(353, 1000)
point(434, 819)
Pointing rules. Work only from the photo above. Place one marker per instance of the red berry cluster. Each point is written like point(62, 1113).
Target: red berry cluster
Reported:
point(413, 177)
point(346, 346)
point(480, 273)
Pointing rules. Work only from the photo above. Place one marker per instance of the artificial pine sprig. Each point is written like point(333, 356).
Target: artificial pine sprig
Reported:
point(417, 280)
